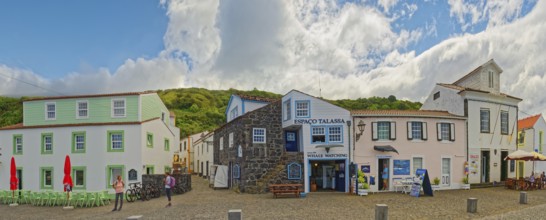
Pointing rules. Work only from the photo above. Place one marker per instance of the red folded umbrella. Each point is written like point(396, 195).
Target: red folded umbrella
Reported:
point(67, 180)
point(13, 182)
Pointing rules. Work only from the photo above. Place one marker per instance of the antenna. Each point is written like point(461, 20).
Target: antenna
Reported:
point(320, 88)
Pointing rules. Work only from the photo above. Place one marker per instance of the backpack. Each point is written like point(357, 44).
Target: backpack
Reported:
point(172, 182)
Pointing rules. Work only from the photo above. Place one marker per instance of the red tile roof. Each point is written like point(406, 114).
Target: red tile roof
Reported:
point(91, 96)
point(398, 113)
point(528, 122)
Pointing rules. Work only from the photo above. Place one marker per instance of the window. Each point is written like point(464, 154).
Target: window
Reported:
point(521, 137)
point(82, 109)
point(78, 176)
point(302, 109)
point(168, 169)
point(150, 140)
point(50, 111)
point(446, 131)
point(417, 130)
point(234, 112)
point(294, 171)
point(540, 141)
point(318, 135)
point(484, 120)
point(230, 140)
point(491, 79)
point(290, 136)
point(383, 130)
point(167, 144)
point(236, 171)
point(112, 171)
point(18, 144)
point(436, 95)
point(47, 143)
point(46, 177)
point(287, 110)
point(221, 143)
point(258, 135)
point(184, 145)
point(504, 122)
point(325, 134)
point(150, 169)
point(417, 164)
point(78, 142)
point(334, 134)
point(118, 108)
point(115, 141)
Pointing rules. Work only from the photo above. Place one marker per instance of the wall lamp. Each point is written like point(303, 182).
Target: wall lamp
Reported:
point(361, 126)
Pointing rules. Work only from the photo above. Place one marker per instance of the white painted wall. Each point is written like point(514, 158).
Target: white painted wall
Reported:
point(449, 101)
point(204, 152)
point(157, 156)
point(235, 102)
point(250, 105)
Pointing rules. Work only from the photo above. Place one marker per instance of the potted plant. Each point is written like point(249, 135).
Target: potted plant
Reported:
point(436, 184)
point(362, 185)
point(465, 185)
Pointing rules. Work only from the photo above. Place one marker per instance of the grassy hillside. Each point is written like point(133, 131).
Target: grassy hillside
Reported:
point(200, 109)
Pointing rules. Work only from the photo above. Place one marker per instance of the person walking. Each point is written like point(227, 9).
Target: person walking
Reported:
point(385, 177)
point(169, 182)
point(118, 185)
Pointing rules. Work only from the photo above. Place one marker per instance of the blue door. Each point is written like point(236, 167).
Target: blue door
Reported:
point(291, 141)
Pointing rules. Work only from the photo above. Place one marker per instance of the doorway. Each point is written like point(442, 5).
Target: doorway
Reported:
point(291, 138)
point(207, 168)
point(20, 178)
point(446, 171)
point(485, 167)
point(327, 175)
point(504, 165)
point(383, 171)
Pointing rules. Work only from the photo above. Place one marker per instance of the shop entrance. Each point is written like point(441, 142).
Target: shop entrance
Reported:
point(327, 175)
point(383, 171)
point(485, 166)
point(504, 166)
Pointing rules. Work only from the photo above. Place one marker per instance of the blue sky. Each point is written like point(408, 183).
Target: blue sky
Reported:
point(370, 48)
point(54, 38)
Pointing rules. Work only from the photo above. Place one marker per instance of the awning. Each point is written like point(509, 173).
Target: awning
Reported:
point(328, 146)
point(385, 148)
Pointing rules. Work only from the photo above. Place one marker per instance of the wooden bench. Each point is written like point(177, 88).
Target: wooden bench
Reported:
point(277, 189)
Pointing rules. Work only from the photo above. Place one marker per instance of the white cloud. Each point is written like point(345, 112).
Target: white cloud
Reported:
point(469, 13)
point(352, 49)
point(387, 4)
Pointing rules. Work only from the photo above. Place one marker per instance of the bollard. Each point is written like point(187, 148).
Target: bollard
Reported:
point(471, 205)
point(522, 197)
point(235, 214)
point(381, 212)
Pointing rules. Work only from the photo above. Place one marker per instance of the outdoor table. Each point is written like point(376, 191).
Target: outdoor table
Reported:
point(407, 185)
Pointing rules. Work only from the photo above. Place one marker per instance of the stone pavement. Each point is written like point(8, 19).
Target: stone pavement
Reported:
point(205, 203)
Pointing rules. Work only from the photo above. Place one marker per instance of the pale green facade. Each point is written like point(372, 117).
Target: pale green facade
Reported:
point(152, 106)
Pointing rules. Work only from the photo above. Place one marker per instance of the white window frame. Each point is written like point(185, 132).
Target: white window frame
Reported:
point(18, 144)
point(255, 136)
point(47, 111)
point(315, 131)
point(487, 120)
point(78, 109)
point(76, 179)
point(50, 144)
point(306, 110)
point(413, 168)
point(114, 108)
point(340, 134)
point(76, 142)
point(287, 109)
point(113, 142)
point(504, 123)
point(234, 113)
point(230, 140)
point(380, 133)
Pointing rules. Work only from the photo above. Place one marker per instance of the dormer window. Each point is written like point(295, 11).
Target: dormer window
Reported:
point(118, 108)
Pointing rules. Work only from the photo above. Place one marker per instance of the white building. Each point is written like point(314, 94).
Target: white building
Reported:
point(127, 134)
point(204, 153)
point(187, 152)
point(320, 130)
point(491, 120)
point(240, 104)
point(531, 138)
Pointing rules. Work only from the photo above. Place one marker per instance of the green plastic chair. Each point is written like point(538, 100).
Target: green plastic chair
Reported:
point(104, 198)
point(26, 196)
point(35, 198)
point(71, 199)
point(2, 197)
point(12, 197)
point(82, 199)
point(61, 199)
point(91, 199)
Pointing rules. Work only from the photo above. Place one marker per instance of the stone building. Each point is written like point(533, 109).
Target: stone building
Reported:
point(252, 146)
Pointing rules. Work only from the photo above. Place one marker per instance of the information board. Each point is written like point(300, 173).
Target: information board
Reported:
point(422, 181)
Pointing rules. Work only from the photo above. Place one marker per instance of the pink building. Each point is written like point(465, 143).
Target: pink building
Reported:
point(400, 142)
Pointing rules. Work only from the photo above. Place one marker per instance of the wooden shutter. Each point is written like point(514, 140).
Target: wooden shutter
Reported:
point(439, 131)
point(452, 132)
point(424, 130)
point(410, 135)
point(392, 129)
point(374, 131)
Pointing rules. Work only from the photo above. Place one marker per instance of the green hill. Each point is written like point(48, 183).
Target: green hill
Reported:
point(199, 109)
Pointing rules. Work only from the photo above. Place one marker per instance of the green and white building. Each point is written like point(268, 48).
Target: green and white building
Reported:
point(106, 135)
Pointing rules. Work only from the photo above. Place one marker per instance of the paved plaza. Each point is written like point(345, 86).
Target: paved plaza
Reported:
point(205, 203)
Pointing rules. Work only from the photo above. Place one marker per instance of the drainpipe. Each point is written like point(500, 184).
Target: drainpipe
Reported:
point(349, 146)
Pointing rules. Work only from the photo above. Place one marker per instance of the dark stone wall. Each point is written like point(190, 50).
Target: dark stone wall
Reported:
point(157, 179)
point(261, 164)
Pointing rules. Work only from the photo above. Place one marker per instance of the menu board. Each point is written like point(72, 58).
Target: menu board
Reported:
point(423, 181)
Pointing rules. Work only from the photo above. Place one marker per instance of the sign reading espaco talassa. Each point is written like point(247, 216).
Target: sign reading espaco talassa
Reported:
point(320, 121)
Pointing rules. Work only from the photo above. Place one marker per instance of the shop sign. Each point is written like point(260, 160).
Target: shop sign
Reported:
point(322, 155)
point(319, 121)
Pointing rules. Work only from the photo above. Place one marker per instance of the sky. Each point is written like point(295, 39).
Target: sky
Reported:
point(334, 49)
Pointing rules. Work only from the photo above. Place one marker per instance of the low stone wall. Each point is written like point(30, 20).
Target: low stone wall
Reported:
point(157, 179)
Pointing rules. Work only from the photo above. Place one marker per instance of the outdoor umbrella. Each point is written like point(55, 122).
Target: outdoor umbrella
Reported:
point(67, 180)
point(13, 182)
point(520, 155)
point(537, 156)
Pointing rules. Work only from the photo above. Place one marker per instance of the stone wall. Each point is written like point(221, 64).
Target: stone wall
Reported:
point(157, 179)
point(260, 164)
